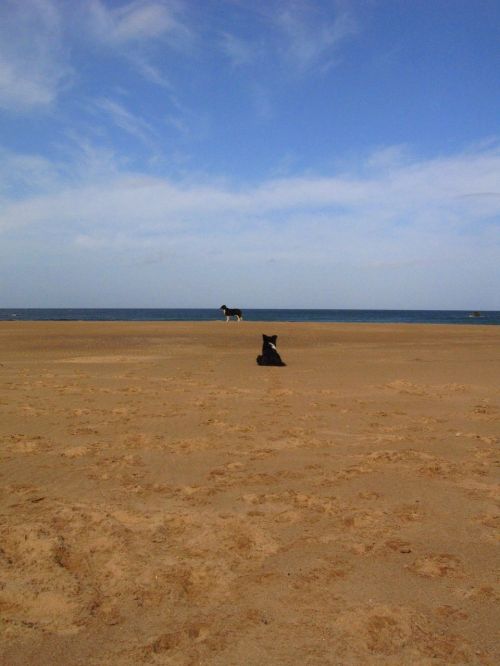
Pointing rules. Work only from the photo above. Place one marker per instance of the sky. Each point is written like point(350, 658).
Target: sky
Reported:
point(258, 153)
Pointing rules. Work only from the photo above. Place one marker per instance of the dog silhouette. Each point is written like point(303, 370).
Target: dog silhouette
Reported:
point(269, 354)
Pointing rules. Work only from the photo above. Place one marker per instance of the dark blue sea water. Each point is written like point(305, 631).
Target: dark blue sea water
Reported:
point(491, 317)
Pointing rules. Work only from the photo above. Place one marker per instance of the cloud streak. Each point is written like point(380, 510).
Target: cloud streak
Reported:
point(302, 37)
point(136, 21)
point(126, 120)
point(311, 40)
point(33, 63)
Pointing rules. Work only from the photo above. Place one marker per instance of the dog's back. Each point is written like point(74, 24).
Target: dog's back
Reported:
point(269, 354)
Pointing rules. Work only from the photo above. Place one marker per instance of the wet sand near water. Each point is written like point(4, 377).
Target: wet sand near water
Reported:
point(164, 500)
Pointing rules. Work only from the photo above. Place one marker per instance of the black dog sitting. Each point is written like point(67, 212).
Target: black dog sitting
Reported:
point(269, 354)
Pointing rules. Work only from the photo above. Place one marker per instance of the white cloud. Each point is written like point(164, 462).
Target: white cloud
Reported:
point(137, 21)
point(33, 66)
point(443, 191)
point(424, 222)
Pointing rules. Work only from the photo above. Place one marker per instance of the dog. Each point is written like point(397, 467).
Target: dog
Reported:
point(232, 312)
point(269, 354)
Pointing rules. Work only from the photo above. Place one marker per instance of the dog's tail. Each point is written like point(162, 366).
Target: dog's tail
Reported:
point(259, 360)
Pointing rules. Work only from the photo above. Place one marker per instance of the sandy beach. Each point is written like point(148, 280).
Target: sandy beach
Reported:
point(165, 500)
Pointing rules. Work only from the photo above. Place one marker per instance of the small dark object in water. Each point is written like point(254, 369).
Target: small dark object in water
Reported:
point(269, 354)
point(476, 313)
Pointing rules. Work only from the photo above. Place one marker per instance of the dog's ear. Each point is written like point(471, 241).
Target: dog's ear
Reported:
point(274, 338)
point(265, 337)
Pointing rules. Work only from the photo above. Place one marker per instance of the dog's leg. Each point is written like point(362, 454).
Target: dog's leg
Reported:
point(227, 319)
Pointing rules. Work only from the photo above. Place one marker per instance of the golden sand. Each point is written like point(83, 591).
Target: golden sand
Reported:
point(167, 501)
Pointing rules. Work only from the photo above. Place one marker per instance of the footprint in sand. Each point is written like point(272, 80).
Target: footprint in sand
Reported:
point(486, 412)
point(397, 635)
point(440, 469)
point(76, 451)
point(226, 470)
point(490, 520)
point(379, 630)
point(450, 613)
point(437, 566)
point(398, 546)
point(23, 444)
point(485, 592)
point(402, 386)
point(409, 513)
point(491, 524)
point(362, 519)
point(83, 431)
point(183, 639)
point(369, 495)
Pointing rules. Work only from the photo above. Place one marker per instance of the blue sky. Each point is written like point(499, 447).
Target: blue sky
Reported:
point(336, 154)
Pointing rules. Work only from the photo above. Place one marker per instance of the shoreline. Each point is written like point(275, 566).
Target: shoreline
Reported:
point(245, 323)
point(284, 315)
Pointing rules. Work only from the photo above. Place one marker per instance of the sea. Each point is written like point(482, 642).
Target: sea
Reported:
point(488, 317)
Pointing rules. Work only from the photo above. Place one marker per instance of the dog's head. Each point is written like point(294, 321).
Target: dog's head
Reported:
point(223, 307)
point(270, 340)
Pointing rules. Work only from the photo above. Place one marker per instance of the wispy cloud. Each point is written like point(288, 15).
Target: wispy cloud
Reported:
point(239, 51)
point(137, 31)
point(301, 36)
point(136, 21)
point(33, 64)
point(150, 72)
point(126, 120)
point(139, 21)
point(310, 39)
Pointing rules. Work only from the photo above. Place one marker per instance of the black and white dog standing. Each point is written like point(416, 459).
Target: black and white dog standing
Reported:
point(269, 354)
point(232, 312)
